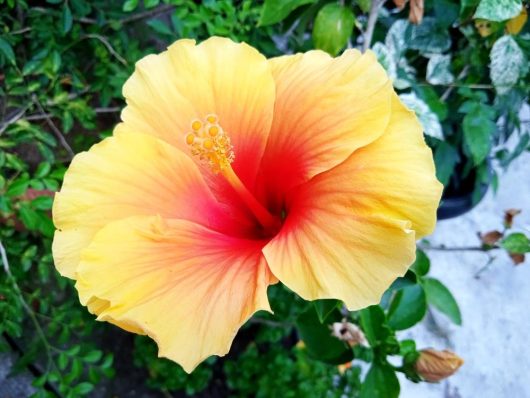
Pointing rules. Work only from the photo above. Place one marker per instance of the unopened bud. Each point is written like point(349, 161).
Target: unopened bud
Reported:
point(433, 365)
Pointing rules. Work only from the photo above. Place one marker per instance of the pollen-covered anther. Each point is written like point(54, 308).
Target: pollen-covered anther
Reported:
point(210, 143)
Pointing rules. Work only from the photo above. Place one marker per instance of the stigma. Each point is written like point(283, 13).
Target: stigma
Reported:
point(210, 143)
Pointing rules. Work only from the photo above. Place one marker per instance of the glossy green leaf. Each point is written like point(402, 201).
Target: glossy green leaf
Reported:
point(445, 159)
point(373, 323)
point(439, 296)
point(407, 308)
point(130, 5)
point(276, 10)
point(498, 10)
point(380, 382)
point(516, 243)
point(467, 8)
point(320, 344)
point(325, 307)
point(364, 5)
point(478, 128)
point(7, 50)
point(66, 18)
point(422, 264)
point(333, 27)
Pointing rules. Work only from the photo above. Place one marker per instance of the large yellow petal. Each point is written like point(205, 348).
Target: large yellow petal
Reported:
point(186, 286)
point(325, 109)
point(234, 81)
point(127, 175)
point(351, 231)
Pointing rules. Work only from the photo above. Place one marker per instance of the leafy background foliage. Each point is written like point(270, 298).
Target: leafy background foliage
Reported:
point(463, 70)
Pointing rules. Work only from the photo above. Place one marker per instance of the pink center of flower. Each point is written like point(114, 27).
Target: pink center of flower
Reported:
point(211, 144)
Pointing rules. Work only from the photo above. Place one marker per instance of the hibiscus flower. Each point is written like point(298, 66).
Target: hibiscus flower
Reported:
point(230, 172)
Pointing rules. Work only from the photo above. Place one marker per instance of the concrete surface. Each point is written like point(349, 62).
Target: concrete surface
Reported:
point(494, 339)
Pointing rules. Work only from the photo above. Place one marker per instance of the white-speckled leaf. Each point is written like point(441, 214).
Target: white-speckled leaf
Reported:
point(397, 37)
point(507, 64)
point(438, 69)
point(498, 10)
point(385, 58)
point(429, 120)
point(429, 37)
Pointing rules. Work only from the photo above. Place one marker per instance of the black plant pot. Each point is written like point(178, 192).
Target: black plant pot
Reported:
point(457, 197)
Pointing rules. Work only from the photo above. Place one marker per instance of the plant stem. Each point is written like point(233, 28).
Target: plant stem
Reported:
point(53, 127)
point(372, 19)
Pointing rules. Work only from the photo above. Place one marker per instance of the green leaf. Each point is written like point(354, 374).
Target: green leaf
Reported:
point(17, 188)
point(422, 264)
point(380, 382)
point(498, 10)
point(151, 3)
point(438, 70)
point(333, 26)
point(439, 296)
point(325, 308)
point(445, 157)
point(516, 243)
point(29, 217)
point(432, 99)
point(42, 203)
point(93, 356)
point(320, 344)
point(467, 7)
point(160, 27)
point(407, 308)
point(364, 5)
point(42, 170)
point(130, 5)
point(507, 65)
point(478, 130)
point(429, 120)
point(66, 18)
point(276, 10)
point(373, 323)
point(83, 389)
point(7, 50)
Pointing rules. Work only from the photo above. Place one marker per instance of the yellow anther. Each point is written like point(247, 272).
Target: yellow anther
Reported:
point(213, 131)
point(210, 144)
point(190, 138)
point(196, 125)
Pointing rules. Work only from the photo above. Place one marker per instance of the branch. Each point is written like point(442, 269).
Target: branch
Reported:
point(29, 311)
point(460, 76)
point(147, 14)
point(107, 45)
point(40, 116)
point(84, 20)
point(372, 19)
point(13, 119)
point(458, 249)
point(53, 127)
